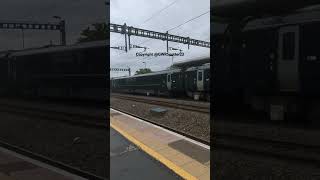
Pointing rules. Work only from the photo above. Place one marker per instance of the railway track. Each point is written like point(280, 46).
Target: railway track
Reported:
point(201, 108)
point(82, 120)
point(203, 141)
point(288, 151)
point(50, 161)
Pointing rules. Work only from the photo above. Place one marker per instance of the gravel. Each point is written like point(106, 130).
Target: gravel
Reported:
point(193, 123)
point(276, 132)
point(229, 164)
point(82, 148)
point(172, 100)
point(241, 166)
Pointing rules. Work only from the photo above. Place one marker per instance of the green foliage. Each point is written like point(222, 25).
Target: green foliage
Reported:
point(99, 32)
point(143, 71)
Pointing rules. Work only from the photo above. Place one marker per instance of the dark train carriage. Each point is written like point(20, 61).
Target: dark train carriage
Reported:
point(77, 71)
point(224, 83)
point(148, 82)
point(197, 81)
point(207, 81)
point(257, 59)
point(309, 55)
point(175, 82)
point(4, 73)
point(286, 63)
point(145, 83)
point(276, 61)
point(157, 83)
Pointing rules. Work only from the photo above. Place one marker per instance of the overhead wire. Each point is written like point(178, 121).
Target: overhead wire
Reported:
point(192, 19)
point(178, 26)
point(179, 47)
point(152, 16)
point(189, 20)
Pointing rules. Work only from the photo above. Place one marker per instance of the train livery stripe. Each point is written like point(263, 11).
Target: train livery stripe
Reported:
point(178, 170)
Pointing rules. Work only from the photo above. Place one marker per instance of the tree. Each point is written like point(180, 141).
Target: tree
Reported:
point(99, 32)
point(143, 71)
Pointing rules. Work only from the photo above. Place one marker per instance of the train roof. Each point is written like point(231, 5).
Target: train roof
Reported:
point(303, 17)
point(192, 62)
point(238, 9)
point(5, 53)
point(149, 74)
point(42, 50)
point(203, 66)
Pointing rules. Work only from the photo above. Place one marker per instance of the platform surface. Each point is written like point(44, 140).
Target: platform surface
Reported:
point(14, 166)
point(127, 162)
point(185, 157)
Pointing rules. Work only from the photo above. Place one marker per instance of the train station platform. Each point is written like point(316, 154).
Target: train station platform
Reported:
point(187, 158)
point(127, 162)
point(15, 166)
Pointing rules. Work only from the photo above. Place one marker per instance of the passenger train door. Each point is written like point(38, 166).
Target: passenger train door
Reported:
point(288, 58)
point(169, 81)
point(200, 80)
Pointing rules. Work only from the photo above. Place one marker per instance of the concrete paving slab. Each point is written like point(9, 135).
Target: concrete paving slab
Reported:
point(187, 158)
point(128, 162)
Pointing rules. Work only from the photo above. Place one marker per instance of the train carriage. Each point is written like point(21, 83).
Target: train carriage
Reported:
point(197, 82)
point(274, 61)
point(177, 81)
point(76, 71)
point(157, 83)
point(4, 73)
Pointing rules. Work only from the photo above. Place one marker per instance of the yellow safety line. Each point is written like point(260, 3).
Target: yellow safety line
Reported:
point(178, 170)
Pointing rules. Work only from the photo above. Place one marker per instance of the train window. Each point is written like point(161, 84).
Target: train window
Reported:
point(169, 77)
point(200, 76)
point(288, 46)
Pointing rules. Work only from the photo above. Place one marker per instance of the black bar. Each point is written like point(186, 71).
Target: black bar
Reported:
point(167, 42)
point(129, 28)
point(129, 41)
point(63, 32)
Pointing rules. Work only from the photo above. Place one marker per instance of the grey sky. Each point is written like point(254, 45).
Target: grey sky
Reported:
point(77, 13)
point(134, 13)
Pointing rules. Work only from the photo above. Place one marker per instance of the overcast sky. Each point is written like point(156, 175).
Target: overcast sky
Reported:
point(77, 13)
point(135, 13)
